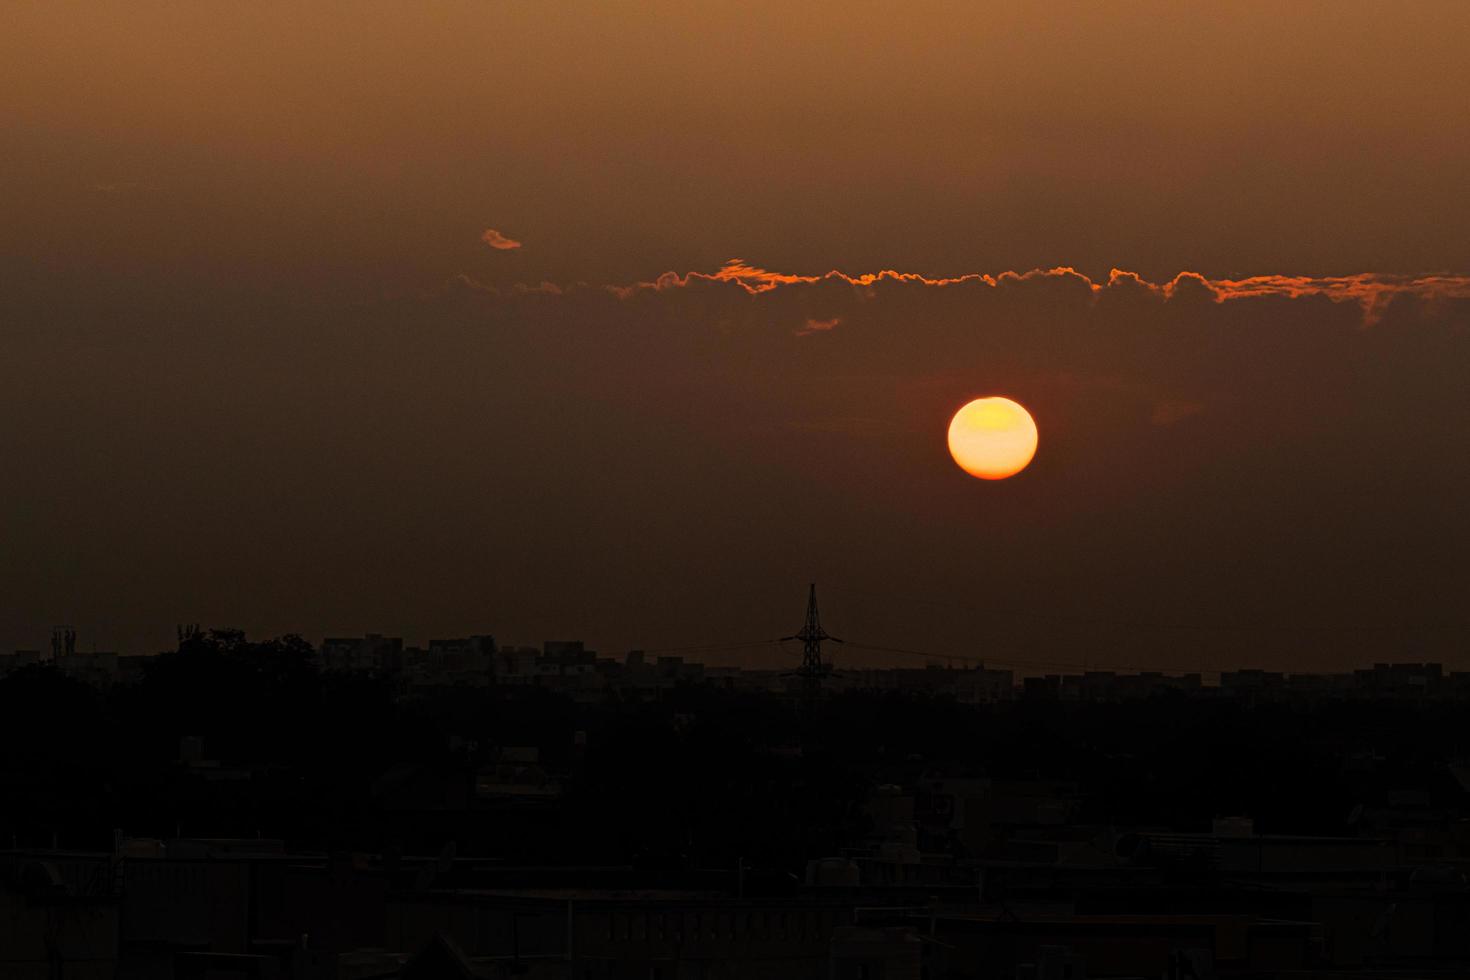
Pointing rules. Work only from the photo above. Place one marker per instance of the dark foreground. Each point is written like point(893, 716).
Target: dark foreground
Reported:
point(238, 812)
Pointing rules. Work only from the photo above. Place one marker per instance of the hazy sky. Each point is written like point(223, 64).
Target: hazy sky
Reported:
point(262, 367)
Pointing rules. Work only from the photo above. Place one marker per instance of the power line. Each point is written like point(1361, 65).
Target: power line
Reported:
point(1016, 662)
point(813, 635)
point(715, 647)
point(1196, 626)
point(779, 643)
point(1011, 662)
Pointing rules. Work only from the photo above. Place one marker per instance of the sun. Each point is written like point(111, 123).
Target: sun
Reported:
point(992, 438)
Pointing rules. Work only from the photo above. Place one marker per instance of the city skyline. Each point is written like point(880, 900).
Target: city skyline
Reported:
point(571, 666)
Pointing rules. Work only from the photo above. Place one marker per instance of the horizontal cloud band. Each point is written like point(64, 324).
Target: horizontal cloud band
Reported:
point(1372, 291)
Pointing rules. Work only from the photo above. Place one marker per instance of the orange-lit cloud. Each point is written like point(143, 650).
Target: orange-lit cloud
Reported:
point(1371, 291)
point(496, 240)
point(754, 280)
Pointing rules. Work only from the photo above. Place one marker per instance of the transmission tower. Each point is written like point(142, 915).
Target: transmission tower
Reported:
point(813, 668)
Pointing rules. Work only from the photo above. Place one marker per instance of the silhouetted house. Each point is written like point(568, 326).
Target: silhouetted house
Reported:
point(1046, 688)
point(1055, 948)
point(971, 685)
point(516, 665)
point(1422, 829)
point(1234, 826)
point(1401, 680)
point(1277, 858)
point(463, 658)
point(892, 953)
point(971, 812)
point(516, 776)
point(18, 659)
point(984, 685)
point(130, 667)
point(1320, 685)
point(1424, 924)
point(410, 787)
point(96, 668)
point(648, 933)
point(1107, 685)
point(1252, 682)
point(891, 811)
point(372, 653)
point(1186, 682)
point(244, 898)
point(440, 959)
point(1149, 683)
point(58, 918)
point(678, 670)
point(567, 653)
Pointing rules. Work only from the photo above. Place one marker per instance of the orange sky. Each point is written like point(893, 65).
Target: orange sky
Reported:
point(378, 141)
point(271, 282)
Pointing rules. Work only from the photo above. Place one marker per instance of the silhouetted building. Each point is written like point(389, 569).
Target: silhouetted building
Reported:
point(372, 653)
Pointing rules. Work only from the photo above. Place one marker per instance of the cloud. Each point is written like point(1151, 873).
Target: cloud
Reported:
point(1371, 291)
point(498, 241)
point(755, 280)
point(818, 326)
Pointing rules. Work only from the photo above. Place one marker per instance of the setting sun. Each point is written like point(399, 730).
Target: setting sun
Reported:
point(992, 438)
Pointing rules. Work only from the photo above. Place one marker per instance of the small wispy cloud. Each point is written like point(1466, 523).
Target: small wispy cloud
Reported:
point(499, 241)
point(818, 326)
